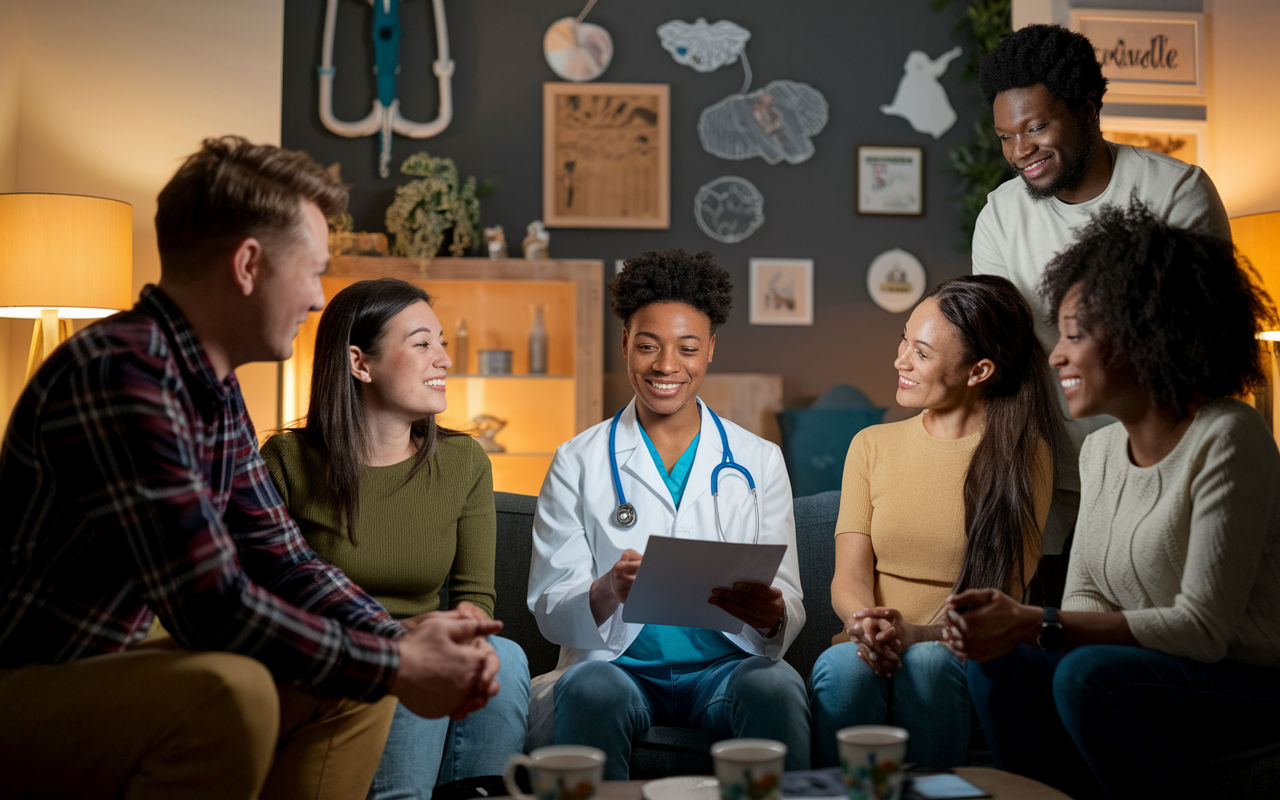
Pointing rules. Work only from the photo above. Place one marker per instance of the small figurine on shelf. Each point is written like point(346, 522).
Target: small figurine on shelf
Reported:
point(537, 244)
point(487, 427)
point(495, 242)
point(538, 343)
point(461, 348)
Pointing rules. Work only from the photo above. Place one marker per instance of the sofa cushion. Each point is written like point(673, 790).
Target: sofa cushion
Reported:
point(511, 580)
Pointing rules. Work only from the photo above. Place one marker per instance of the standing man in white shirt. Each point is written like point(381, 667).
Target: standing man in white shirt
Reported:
point(1045, 88)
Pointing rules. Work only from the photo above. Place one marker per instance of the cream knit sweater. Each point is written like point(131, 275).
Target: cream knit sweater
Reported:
point(1188, 549)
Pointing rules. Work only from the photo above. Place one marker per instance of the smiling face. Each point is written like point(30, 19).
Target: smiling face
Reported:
point(406, 378)
point(668, 347)
point(932, 372)
point(1049, 146)
point(1092, 383)
point(289, 287)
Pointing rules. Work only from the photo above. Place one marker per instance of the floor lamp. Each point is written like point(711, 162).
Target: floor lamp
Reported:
point(1258, 237)
point(63, 257)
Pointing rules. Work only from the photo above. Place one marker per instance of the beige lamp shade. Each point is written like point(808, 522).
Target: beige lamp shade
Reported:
point(1257, 236)
point(65, 252)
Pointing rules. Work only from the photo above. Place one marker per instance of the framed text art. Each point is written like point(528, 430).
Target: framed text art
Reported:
point(890, 180)
point(1184, 139)
point(606, 155)
point(781, 291)
point(1146, 52)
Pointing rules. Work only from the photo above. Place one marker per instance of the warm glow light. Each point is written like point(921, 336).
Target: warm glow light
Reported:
point(64, 252)
point(1257, 236)
point(1270, 336)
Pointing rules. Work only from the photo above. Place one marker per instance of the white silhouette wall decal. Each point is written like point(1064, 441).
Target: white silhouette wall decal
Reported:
point(920, 99)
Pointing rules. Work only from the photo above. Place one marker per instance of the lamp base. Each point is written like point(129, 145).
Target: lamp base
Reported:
point(49, 332)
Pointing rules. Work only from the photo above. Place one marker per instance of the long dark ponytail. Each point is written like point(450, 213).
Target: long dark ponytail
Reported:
point(356, 316)
point(995, 322)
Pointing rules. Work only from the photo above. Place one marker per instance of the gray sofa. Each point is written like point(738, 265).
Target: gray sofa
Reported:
point(667, 751)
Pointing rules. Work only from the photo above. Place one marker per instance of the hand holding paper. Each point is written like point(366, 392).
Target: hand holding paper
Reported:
point(678, 576)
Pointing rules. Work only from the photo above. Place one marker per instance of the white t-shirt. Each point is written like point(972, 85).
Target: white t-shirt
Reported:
point(1016, 237)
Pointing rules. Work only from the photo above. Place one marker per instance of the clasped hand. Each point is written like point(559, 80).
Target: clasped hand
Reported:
point(882, 637)
point(982, 624)
point(757, 604)
point(447, 666)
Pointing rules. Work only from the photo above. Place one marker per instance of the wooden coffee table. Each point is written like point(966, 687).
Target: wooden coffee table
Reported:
point(1002, 786)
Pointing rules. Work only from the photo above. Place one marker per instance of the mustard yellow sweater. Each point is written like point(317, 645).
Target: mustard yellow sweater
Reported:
point(905, 489)
point(411, 538)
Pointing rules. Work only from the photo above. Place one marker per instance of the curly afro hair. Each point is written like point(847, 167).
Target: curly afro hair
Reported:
point(673, 276)
point(1178, 307)
point(1062, 60)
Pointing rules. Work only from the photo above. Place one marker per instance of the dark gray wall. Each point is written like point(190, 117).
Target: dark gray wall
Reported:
point(851, 51)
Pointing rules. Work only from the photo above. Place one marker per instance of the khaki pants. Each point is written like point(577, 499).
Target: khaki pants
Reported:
point(157, 721)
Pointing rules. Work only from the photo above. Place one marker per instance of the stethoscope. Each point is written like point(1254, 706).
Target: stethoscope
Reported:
point(625, 514)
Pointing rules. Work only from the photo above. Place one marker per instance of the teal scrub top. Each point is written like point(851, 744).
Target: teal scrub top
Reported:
point(664, 645)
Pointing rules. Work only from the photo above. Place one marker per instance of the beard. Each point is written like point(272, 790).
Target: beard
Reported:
point(1074, 166)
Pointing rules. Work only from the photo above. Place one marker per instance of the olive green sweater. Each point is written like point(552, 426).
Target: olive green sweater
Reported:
point(412, 538)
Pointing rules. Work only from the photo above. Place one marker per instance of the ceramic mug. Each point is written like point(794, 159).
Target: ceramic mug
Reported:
point(749, 769)
point(558, 772)
point(871, 759)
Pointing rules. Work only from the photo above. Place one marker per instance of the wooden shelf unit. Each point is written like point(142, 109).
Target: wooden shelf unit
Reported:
point(496, 297)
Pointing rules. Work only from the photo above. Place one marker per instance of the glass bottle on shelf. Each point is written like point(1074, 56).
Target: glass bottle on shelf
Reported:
point(538, 343)
point(461, 347)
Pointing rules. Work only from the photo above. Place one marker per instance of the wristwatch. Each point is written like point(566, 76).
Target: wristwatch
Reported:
point(1051, 634)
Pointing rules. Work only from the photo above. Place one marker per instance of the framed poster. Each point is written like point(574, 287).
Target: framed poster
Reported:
point(781, 291)
point(890, 180)
point(1183, 139)
point(1146, 52)
point(606, 155)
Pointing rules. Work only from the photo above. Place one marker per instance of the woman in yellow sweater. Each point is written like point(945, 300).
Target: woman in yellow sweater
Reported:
point(953, 498)
point(404, 508)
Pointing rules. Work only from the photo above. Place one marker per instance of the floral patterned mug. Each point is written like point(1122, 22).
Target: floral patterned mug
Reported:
point(871, 759)
point(749, 769)
point(559, 772)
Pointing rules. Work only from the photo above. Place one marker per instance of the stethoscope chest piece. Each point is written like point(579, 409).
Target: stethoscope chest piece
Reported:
point(625, 515)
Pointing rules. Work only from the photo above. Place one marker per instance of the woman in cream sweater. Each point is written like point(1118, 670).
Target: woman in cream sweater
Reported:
point(953, 498)
point(1170, 623)
point(404, 508)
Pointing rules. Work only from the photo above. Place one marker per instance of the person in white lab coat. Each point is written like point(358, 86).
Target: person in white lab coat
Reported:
point(615, 679)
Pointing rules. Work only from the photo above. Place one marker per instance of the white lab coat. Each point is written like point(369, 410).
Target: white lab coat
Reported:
point(576, 539)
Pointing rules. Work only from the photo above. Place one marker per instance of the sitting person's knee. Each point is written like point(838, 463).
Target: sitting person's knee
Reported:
point(766, 679)
point(593, 684)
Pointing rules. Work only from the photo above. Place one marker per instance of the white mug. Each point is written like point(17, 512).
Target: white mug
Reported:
point(749, 769)
point(871, 759)
point(558, 772)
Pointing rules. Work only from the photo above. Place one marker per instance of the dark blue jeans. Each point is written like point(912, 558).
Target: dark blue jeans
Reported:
point(1121, 722)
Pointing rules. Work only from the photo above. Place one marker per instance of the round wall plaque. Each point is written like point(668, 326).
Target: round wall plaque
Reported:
point(896, 280)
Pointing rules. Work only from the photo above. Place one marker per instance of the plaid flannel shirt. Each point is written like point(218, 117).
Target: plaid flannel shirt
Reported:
point(131, 486)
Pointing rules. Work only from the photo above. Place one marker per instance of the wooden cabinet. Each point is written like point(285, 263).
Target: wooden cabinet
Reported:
point(497, 299)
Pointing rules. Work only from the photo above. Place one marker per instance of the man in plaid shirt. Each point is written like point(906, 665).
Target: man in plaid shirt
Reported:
point(132, 488)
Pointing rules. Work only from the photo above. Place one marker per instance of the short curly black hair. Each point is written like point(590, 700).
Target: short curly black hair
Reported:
point(673, 276)
point(1180, 308)
point(1064, 61)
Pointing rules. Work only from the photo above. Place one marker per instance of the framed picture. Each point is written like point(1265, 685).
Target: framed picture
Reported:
point(1184, 139)
point(781, 291)
point(890, 180)
point(606, 155)
point(1146, 52)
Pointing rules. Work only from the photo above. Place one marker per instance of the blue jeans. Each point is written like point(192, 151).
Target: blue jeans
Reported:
point(421, 753)
point(605, 706)
point(1113, 721)
point(928, 696)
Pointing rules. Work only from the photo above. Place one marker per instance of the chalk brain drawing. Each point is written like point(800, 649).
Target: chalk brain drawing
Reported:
point(774, 123)
point(729, 209)
point(702, 46)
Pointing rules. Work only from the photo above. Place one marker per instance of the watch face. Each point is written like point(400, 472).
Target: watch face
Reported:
point(1051, 636)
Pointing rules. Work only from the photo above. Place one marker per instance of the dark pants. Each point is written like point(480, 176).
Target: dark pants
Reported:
point(1121, 722)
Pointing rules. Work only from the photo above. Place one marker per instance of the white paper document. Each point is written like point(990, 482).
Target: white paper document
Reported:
point(677, 575)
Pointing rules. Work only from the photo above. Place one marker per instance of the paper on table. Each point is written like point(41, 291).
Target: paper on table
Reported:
point(677, 575)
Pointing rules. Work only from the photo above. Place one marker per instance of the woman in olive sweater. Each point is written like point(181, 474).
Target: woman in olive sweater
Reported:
point(404, 508)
